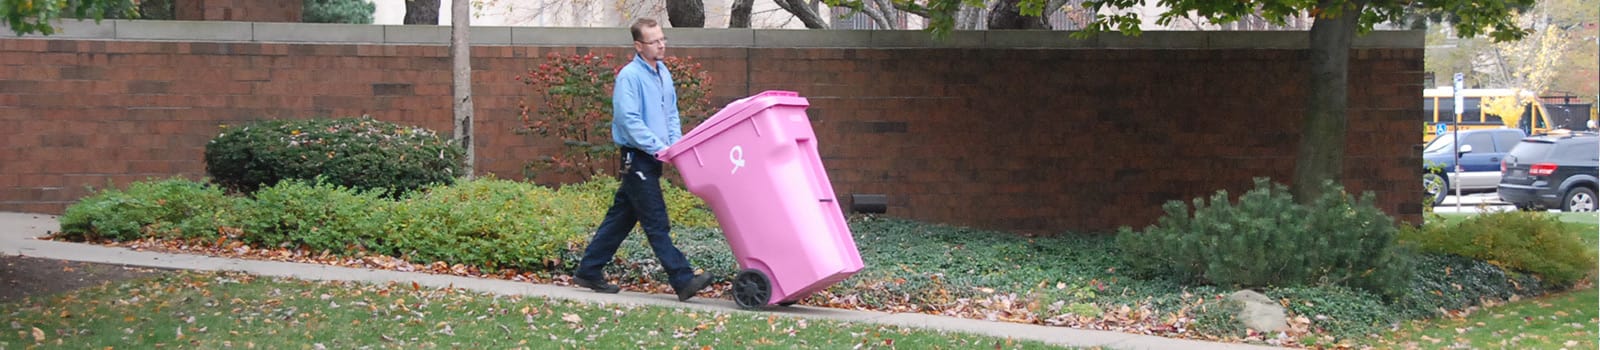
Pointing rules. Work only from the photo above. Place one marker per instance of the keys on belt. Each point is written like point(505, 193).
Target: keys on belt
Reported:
point(627, 165)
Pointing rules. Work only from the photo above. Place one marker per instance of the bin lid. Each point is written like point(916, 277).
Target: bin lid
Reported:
point(733, 113)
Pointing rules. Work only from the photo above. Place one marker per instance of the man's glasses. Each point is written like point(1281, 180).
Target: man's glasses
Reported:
point(662, 41)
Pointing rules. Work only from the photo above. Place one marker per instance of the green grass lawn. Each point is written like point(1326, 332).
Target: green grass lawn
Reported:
point(1582, 218)
point(1588, 223)
point(231, 310)
point(1559, 321)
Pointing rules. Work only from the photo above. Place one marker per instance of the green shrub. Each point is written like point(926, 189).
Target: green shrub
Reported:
point(485, 222)
point(157, 10)
point(117, 9)
point(1353, 244)
point(174, 207)
point(338, 11)
point(1266, 239)
point(355, 152)
point(1530, 242)
point(317, 216)
point(505, 224)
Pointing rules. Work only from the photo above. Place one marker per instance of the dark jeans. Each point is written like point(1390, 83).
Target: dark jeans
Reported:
point(638, 200)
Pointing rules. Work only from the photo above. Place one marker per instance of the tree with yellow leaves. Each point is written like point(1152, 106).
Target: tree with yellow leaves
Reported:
point(1529, 64)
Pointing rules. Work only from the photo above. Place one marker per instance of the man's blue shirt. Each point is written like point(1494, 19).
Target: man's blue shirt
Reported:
point(644, 107)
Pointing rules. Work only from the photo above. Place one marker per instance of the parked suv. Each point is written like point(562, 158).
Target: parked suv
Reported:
point(1481, 152)
point(1552, 171)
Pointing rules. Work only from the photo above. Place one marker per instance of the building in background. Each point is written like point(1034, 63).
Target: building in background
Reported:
point(590, 13)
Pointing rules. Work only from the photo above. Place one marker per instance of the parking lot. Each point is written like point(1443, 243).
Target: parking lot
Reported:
point(1470, 203)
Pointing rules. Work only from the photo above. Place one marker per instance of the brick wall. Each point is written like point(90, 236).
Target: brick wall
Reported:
point(1032, 140)
point(1047, 140)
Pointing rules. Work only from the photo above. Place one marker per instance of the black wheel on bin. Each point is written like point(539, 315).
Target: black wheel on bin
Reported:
point(751, 289)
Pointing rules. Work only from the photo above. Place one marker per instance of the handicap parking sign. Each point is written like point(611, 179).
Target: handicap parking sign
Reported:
point(1439, 129)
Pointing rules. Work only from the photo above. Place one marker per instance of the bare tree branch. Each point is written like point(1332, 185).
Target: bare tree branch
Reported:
point(1053, 6)
point(799, 9)
point(875, 10)
point(910, 7)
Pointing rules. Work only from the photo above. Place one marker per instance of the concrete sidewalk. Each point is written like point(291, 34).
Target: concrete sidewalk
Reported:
point(18, 233)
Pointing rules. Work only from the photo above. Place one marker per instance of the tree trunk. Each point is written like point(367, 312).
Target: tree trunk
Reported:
point(461, 69)
point(1321, 155)
point(882, 13)
point(741, 14)
point(686, 13)
point(804, 12)
point(422, 12)
point(1007, 14)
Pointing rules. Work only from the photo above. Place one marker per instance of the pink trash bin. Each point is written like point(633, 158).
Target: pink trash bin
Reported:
point(756, 164)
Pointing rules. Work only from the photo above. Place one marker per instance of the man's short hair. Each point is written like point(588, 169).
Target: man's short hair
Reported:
point(639, 26)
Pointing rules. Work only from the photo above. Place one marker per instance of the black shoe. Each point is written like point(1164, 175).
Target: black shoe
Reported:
point(695, 285)
point(596, 286)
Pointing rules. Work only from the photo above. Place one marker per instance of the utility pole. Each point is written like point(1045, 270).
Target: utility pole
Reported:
point(461, 66)
point(1455, 133)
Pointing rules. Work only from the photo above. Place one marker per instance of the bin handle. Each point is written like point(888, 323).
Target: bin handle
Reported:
point(819, 177)
point(768, 93)
point(778, 93)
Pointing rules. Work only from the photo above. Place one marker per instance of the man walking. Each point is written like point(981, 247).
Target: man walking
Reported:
point(644, 123)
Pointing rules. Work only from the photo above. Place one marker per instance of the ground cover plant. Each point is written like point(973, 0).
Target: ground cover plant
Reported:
point(504, 229)
point(233, 310)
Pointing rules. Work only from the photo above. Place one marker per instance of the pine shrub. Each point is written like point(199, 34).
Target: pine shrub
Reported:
point(1266, 239)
